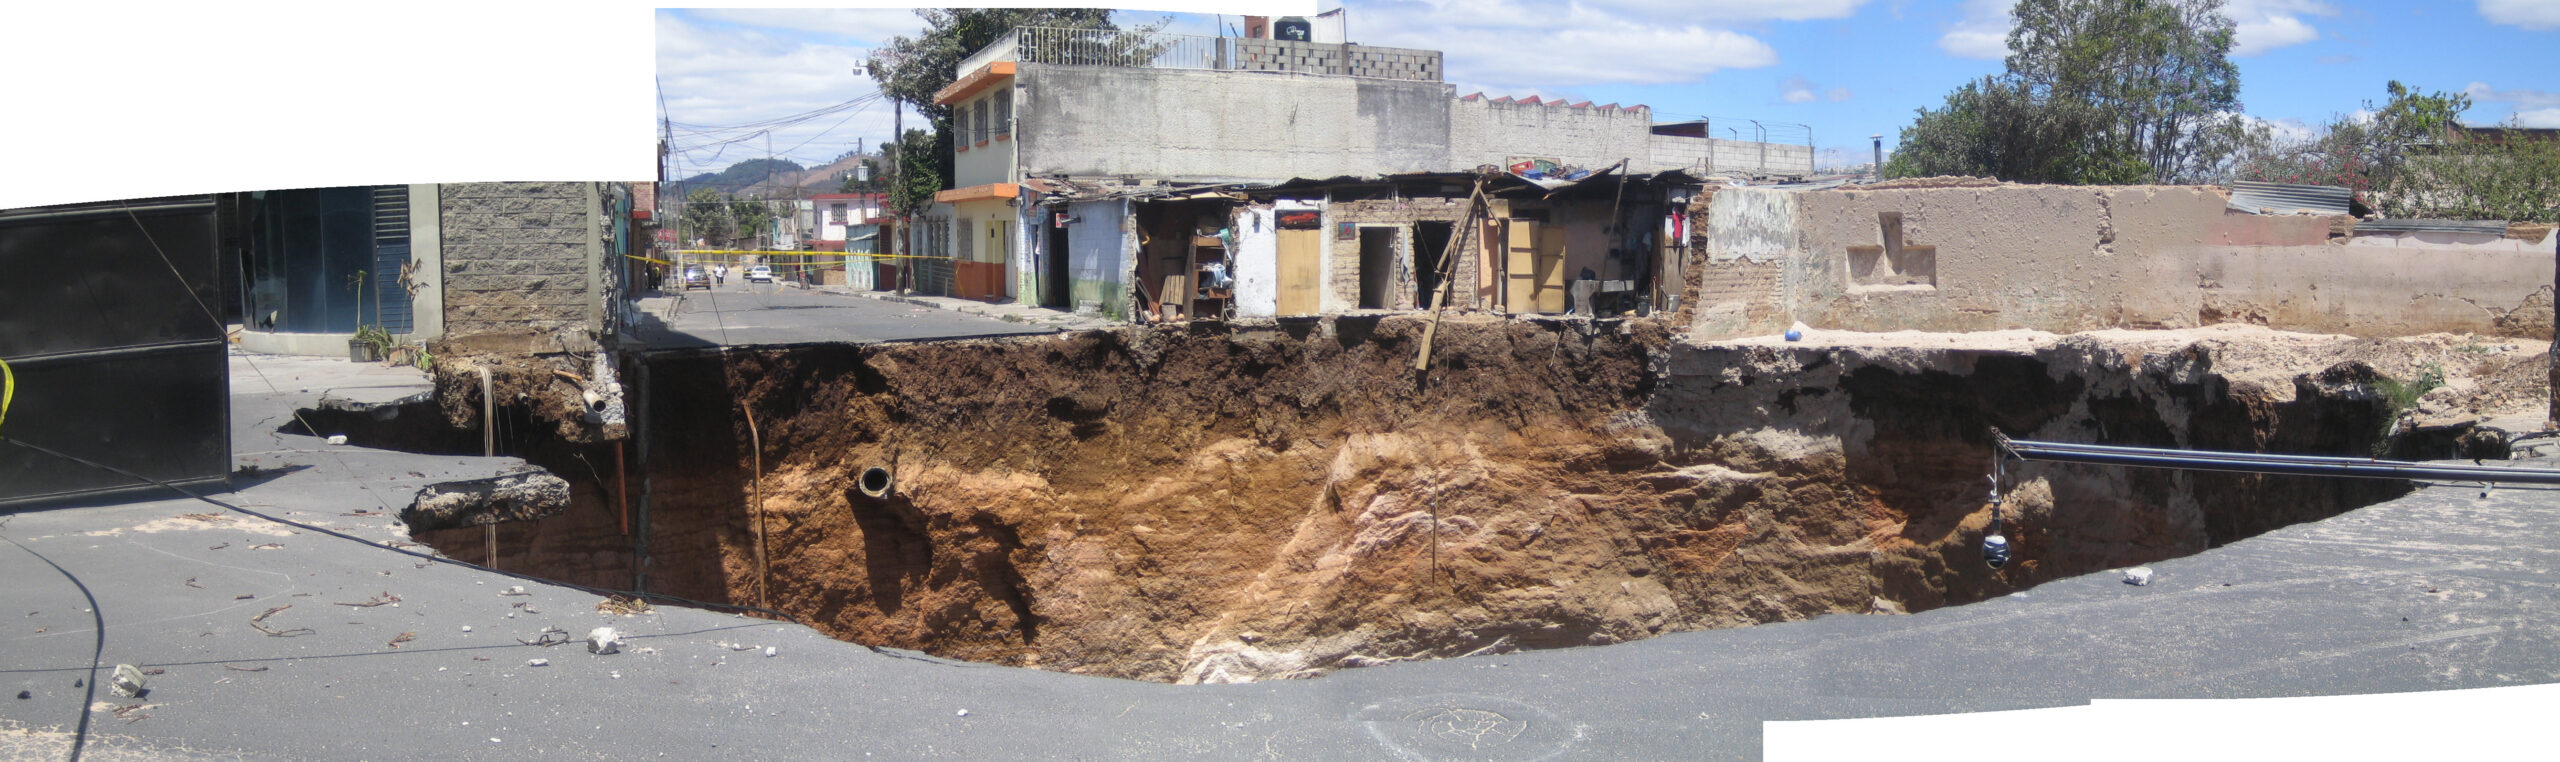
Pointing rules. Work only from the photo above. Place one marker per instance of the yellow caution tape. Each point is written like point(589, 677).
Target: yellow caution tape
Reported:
point(654, 261)
point(8, 389)
point(825, 254)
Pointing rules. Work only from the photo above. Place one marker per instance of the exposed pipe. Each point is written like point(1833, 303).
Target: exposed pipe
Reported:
point(2259, 463)
point(488, 449)
point(874, 482)
point(622, 484)
point(755, 509)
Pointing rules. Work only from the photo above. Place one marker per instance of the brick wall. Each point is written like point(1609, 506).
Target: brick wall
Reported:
point(519, 262)
point(1342, 274)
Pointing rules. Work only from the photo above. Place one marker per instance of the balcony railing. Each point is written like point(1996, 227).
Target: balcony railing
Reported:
point(1100, 47)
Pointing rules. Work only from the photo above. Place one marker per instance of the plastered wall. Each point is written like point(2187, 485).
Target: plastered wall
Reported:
point(2066, 259)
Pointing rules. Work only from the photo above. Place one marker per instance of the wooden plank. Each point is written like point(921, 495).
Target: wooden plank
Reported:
point(1551, 269)
point(1301, 272)
point(1520, 266)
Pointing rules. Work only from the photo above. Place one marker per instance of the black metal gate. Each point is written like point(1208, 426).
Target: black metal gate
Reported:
point(106, 323)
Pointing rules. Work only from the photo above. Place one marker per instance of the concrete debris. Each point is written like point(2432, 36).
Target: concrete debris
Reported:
point(769, 652)
point(521, 496)
point(2139, 575)
point(537, 662)
point(128, 681)
point(603, 640)
point(337, 439)
point(964, 713)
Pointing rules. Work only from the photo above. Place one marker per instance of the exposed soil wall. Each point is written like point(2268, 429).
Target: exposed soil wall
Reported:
point(1211, 503)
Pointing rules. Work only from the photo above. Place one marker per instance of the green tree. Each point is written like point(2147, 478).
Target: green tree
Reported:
point(2096, 91)
point(911, 69)
point(706, 217)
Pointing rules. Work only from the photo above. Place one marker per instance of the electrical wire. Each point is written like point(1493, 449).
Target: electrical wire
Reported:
point(97, 651)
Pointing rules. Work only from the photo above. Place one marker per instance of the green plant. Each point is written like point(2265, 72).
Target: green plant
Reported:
point(2399, 397)
point(377, 338)
point(425, 360)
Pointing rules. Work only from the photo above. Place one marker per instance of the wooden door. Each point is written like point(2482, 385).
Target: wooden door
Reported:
point(1520, 266)
point(1551, 269)
point(1301, 272)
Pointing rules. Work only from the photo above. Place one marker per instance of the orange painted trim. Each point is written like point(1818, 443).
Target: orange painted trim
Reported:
point(960, 147)
point(982, 144)
point(1004, 136)
point(964, 87)
point(978, 193)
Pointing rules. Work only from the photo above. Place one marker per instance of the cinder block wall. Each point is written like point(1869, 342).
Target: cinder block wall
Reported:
point(1485, 131)
point(520, 266)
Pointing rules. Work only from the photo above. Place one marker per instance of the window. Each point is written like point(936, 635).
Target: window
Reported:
point(965, 254)
point(1004, 111)
point(835, 214)
point(982, 119)
point(960, 128)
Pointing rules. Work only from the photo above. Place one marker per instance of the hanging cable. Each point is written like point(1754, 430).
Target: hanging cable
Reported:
point(1995, 546)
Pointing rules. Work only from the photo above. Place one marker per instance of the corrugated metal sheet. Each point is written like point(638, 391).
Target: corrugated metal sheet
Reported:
point(2484, 227)
point(2281, 198)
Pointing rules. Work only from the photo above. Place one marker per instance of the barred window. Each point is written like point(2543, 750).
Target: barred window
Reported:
point(1004, 111)
point(982, 120)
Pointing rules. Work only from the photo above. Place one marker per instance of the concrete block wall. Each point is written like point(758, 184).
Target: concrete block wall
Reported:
point(1338, 60)
point(1490, 131)
point(521, 266)
point(1705, 155)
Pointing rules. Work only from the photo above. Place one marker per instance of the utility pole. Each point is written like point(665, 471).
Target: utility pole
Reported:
point(898, 182)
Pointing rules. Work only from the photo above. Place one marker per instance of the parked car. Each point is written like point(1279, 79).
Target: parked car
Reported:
point(694, 278)
point(760, 273)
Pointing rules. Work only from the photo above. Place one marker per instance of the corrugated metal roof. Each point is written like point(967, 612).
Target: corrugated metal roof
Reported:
point(2282, 198)
point(2485, 227)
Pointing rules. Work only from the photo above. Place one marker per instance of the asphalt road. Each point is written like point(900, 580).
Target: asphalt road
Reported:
point(768, 314)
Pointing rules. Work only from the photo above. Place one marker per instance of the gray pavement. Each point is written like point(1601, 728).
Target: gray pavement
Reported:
point(2445, 589)
point(774, 314)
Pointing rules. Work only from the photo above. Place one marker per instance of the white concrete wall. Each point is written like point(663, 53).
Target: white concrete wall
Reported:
point(983, 164)
point(1257, 261)
point(1706, 155)
point(1205, 126)
point(1482, 131)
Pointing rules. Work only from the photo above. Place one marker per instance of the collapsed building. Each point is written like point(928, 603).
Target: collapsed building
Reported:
point(1130, 176)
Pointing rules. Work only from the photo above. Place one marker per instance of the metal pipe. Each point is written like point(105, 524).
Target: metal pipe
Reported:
point(2254, 463)
point(488, 449)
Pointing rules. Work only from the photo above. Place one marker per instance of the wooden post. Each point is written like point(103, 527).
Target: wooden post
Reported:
point(1448, 273)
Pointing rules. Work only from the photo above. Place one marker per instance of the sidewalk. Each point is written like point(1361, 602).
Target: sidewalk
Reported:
point(1010, 312)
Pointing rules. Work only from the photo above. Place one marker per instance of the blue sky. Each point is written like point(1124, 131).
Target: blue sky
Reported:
point(1844, 68)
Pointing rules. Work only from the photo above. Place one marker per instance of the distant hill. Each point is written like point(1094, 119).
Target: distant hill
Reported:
point(745, 174)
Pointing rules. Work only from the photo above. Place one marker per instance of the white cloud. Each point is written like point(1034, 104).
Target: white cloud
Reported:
point(757, 67)
point(1515, 45)
point(2481, 92)
point(2541, 117)
point(1798, 90)
point(2536, 15)
point(1836, 94)
point(1729, 10)
point(1982, 33)
point(2264, 25)
point(2533, 108)
point(2258, 26)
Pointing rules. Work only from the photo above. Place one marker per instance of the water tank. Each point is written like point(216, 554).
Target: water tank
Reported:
point(1293, 29)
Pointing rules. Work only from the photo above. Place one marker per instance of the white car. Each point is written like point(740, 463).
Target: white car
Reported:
point(760, 273)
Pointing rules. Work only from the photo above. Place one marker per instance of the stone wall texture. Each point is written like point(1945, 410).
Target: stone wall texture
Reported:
point(520, 266)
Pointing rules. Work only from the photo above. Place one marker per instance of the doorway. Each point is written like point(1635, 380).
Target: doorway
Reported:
point(1054, 271)
point(1430, 241)
point(1377, 267)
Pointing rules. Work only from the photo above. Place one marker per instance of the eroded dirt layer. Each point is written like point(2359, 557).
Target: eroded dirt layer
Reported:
point(1221, 504)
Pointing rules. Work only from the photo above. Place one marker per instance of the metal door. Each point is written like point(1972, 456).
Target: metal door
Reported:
point(118, 355)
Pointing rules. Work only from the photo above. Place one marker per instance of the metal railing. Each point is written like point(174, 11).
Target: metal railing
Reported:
point(1104, 47)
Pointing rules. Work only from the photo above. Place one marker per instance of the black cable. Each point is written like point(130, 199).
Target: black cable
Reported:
point(97, 652)
point(406, 552)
